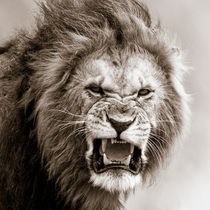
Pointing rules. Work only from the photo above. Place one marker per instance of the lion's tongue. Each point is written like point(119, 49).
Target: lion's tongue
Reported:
point(117, 151)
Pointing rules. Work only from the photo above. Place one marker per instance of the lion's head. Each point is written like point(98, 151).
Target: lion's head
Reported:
point(105, 87)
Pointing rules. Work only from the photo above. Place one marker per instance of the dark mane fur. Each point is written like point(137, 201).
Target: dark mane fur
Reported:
point(34, 71)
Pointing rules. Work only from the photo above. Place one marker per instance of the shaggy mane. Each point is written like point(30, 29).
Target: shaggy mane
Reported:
point(36, 68)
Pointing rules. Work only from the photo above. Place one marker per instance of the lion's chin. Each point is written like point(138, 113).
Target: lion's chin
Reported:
point(115, 180)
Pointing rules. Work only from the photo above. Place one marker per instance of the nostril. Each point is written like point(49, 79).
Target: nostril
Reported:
point(120, 126)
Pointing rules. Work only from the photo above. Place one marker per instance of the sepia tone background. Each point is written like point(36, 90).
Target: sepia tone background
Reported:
point(185, 184)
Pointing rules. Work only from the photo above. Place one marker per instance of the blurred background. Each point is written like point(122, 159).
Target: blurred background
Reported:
point(185, 184)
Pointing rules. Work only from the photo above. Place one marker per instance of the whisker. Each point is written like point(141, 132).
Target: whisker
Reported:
point(69, 124)
point(67, 112)
point(154, 152)
point(159, 138)
point(163, 131)
point(80, 130)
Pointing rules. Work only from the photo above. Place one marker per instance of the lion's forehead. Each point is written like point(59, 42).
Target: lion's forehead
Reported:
point(123, 77)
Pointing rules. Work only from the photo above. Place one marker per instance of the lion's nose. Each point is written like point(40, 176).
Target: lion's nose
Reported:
point(120, 115)
point(120, 126)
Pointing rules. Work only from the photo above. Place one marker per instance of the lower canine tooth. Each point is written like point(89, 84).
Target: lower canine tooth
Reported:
point(105, 159)
point(127, 161)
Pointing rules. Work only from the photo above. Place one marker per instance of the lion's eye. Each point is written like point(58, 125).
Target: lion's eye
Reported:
point(144, 92)
point(96, 89)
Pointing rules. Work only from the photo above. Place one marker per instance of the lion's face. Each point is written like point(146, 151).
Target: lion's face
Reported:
point(120, 101)
point(111, 121)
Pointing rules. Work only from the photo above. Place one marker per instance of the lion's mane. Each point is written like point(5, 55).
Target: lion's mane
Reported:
point(42, 164)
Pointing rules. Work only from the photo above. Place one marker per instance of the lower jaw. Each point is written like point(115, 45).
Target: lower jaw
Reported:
point(116, 180)
point(115, 169)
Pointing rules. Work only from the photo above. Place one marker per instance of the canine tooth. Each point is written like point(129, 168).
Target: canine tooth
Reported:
point(105, 159)
point(131, 148)
point(104, 142)
point(127, 161)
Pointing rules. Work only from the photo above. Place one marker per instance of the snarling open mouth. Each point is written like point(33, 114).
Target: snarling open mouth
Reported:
point(115, 154)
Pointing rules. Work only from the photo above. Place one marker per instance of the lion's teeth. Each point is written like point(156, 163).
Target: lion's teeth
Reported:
point(106, 160)
point(115, 141)
point(104, 142)
point(127, 161)
point(131, 148)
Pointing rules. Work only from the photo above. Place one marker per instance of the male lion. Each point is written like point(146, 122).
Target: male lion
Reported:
point(90, 104)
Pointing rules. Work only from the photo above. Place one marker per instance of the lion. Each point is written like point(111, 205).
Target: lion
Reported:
point(91, 103)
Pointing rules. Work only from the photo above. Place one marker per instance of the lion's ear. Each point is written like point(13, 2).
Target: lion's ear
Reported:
point(177, 57)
